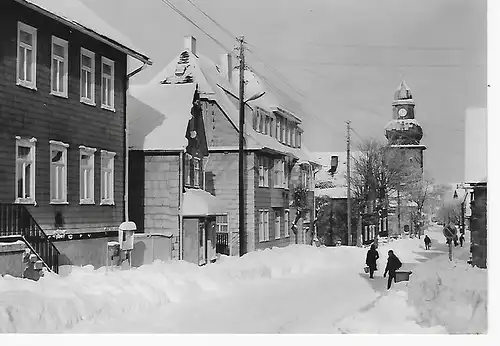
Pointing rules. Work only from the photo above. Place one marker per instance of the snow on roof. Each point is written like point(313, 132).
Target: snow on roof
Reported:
point(159, 115)
point(196, 202)
point(75, 13)
point(189, 68)
point(336, 186)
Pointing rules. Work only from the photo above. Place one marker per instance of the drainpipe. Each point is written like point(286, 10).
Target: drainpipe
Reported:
point(181, 188)
point(125, 144)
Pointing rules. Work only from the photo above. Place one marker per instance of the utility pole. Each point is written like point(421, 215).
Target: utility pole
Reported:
point(349, 231)
point(241, 154)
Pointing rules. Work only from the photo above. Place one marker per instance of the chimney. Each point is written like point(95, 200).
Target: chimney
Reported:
point(226, 60)
point(190, 44)
point(334, 163)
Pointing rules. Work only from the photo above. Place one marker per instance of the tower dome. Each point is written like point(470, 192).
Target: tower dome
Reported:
point(403, 129)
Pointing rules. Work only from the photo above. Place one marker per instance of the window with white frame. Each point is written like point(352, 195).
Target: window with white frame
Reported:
point(107, 177)
point(276, 173)
point(87, 76)
point(187, 169)
point(278, 128)
point(25, 170)
point(263, 225)
point(221, 223)
point(26, 55)
point(108, 84)
point(196, 172)
point(299, 139)
point(263, 172)
point(58, 172)
point(277, 224)
point(287, 223)
point(59, 67)
point(87, 175)
point(283, 131)
point(286, 175)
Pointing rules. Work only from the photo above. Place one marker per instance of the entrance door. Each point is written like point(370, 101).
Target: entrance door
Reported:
point(202, 243)
point(190, 243)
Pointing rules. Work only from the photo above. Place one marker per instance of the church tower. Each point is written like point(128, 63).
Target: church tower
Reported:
point(403, 132)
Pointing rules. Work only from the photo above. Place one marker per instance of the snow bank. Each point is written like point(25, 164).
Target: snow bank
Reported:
point(389, 314)
point(452, 294)
point(56, 303)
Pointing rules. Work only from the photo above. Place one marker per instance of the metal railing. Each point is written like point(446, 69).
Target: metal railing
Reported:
point(16, 222)
point(222, 243)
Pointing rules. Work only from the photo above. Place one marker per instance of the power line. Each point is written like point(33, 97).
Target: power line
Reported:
point(169, 4)
point(213, 20)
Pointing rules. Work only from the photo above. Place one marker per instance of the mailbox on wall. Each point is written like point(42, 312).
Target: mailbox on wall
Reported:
point(126, 235)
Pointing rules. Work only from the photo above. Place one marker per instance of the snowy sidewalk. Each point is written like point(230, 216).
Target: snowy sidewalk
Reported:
point(297, 289)
point(324, 301)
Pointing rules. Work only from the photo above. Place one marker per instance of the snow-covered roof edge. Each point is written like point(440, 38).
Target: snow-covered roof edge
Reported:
point(110, 37)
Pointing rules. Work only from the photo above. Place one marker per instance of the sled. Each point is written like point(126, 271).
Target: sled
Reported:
point(402, 276)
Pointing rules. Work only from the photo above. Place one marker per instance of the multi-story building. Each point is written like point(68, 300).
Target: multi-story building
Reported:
point(62, 129)
point(275, 159)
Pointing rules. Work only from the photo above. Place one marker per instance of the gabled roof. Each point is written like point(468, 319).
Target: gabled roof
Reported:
point(159, 115)
point(188, 69)
point(336, 186)
point(78, 16)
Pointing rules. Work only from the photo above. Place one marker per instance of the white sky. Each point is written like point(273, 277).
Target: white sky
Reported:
point(346, 58)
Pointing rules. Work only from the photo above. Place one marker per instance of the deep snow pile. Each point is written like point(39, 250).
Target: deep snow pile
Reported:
point(55, 303)
point(452, 294)
point(389, 314)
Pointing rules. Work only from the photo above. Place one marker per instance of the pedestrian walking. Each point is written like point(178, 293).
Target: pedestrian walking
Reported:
point(462, 240)
point(393, 264)
point(371, 260)
point(427, 242)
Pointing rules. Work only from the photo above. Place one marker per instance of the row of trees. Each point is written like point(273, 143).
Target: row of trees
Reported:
point(379, 173)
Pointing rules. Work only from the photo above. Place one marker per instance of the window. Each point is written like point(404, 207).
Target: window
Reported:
point(87, 175)
point(292, 137)
point(59, 67)
point(263, 172)
point(283, 127)
point(25, 170)
point(26, 55)
point(263, 225)
point(221, 224)
point(187, 169)
point(108, 84)
point(287, 134)
point(271, 127)
point(287, 223)
point(303, 177)
point(277, 224)
point(286, 175)
point(278, 128)
point(107, 177)
point(261, 122)
point(279, 174)
point(299, 139)
point(87, 77)
point(196, 170)
point(58, 172)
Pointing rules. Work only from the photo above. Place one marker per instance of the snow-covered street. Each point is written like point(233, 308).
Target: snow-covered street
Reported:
point(299, 289)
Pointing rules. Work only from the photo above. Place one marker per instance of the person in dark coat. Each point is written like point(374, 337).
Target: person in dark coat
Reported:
point(393, 264)
point(427, 242)
point(462, 239)
point(371, 260)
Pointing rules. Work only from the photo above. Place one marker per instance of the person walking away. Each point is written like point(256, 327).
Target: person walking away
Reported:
point(427, 242)
point(462, 239)
point(371, 260)
point(393, 264)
